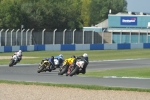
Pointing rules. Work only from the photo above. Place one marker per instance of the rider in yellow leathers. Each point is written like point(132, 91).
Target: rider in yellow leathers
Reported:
point(69, 61)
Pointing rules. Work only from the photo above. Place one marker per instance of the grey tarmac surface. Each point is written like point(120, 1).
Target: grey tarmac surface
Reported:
point(29, 73)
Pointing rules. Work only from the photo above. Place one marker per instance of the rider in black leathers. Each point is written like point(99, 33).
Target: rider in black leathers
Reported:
point(84, 58)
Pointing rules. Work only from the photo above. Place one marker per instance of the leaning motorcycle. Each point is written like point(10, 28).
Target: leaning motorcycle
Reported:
point(72, 70)
point(44, 66)
point(64, 68)
point(13, 61)
point(57, 63)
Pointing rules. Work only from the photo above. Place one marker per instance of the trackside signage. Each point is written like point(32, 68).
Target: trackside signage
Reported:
point(128, 20)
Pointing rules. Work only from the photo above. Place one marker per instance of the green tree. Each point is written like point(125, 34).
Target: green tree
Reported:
point(99, 9)
point(60, 14)
point(85, 12)
point(67, 14)
point(54, 14)
point(10, 15)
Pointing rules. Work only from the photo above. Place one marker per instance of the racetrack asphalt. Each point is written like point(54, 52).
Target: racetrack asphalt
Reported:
point(27, 72)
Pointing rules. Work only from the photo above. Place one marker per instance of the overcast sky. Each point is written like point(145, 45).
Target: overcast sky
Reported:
point(138, 5)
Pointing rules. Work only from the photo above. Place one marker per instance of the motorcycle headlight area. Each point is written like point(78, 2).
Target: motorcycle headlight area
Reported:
point(14, 57)
point(56, 61)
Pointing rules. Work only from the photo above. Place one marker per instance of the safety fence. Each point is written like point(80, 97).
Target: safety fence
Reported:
point(74, 47)
point(31, 37)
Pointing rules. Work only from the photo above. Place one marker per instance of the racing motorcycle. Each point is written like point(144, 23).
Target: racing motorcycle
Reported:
point(13, 60)
point(64, 68)
point(72, 70)
point(57, 63)
point(44, 66)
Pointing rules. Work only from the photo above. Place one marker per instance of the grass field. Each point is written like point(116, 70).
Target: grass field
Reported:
point(93, 55)
point(143, 72)
point(87, 87)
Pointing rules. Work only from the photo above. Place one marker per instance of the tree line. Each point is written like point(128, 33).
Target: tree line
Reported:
point(56, 14)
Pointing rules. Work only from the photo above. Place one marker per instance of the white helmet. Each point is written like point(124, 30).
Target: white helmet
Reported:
point(61, 55)
point(85, 55)
point(20, 51)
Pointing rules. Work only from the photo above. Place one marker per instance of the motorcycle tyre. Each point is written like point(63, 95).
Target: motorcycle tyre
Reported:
point(54, 68)
point(11, 63)
point(74, 71)
point(64, 70)
point(40, 69)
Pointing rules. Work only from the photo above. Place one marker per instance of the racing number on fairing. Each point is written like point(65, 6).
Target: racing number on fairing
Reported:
point(80, 63)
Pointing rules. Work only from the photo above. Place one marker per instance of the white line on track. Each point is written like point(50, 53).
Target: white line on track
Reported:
point(118, 77)
point(117, 60)
point(125, 77)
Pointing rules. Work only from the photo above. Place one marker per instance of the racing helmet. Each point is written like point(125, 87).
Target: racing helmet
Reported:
point(20, 51)
point(85, 55)
point(61, 55)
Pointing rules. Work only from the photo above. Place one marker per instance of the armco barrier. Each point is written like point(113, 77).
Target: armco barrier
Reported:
point(146, 45)
point(39, 47)
point(124, 46)
point(68, 47)
point(73, 47)
point(97, 47)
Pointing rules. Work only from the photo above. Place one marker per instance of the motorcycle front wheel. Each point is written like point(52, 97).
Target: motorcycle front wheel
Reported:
point(63, 70)
point(11, 63)
point(40, 69)
point(74, 71)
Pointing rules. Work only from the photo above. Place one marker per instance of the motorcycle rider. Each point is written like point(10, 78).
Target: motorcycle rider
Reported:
point(19, 55)
point(60, 59)
point(51, 60)
point(84, 58)
point(70, 61)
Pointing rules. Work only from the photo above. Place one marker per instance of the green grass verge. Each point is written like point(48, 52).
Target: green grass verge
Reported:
point(93, 55)
point(143, 72)
point(87, 87)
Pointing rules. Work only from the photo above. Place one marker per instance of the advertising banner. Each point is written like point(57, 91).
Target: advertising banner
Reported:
point(128, 21)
